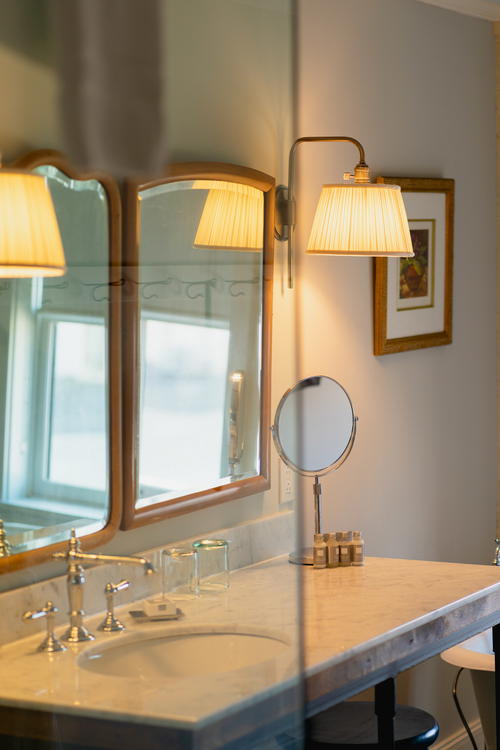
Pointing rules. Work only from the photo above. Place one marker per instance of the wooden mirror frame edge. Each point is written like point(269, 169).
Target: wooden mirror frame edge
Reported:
point(54, 158)
point(133, 518)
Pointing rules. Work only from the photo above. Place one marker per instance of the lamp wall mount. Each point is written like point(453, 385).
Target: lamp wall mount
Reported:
point(285, 196)
point(354, 218)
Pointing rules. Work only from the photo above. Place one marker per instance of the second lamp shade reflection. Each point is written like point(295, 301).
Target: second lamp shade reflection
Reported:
point(232, 217)
point(360, 219)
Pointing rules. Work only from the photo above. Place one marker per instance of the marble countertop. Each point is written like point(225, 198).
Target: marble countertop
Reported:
point(360, 625)
point(262, 599)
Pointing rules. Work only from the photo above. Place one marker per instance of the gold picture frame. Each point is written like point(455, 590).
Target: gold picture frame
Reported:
point(412, 299)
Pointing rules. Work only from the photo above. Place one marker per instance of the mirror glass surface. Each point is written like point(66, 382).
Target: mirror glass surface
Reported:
point(200, 293)
point(314, 425)
point(53, 380)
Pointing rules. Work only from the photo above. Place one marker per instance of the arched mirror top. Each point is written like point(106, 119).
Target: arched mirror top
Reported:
point(185, 171)
point(60, 382)
point(199, 256)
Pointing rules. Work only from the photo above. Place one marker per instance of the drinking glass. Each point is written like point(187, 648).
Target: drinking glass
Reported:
point(213, 564)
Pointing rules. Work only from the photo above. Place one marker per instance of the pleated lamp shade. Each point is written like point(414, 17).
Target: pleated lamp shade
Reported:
point(361, 219)
point(232, 217)
point(30, 243)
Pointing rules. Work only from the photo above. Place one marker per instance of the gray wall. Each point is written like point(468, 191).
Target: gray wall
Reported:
point(27, 82)
point(416, 84)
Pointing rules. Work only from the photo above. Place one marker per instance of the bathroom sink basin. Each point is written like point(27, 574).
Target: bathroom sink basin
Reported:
point(177, 654)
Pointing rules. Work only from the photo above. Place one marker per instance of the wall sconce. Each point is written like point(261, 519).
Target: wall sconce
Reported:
point(232, 217)
point(357, 217)
point(30, 243)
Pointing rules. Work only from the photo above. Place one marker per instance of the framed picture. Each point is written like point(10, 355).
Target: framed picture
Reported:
point(413, 296)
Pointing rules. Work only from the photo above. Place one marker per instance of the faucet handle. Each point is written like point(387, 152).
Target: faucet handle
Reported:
point(50, 643)
point(72, 548)
point(4, 543)
point(110, 624)
point(496, 557)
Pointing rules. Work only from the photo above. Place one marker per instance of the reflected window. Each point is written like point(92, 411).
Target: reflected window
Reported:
point(76, 424)
point(182, 428)
point(54, 463)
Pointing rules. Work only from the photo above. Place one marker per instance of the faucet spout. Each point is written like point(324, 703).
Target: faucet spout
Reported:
point(75, 557)
point(100, 559)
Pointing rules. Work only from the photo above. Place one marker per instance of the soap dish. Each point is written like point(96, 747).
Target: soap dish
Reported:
point(140, 616)
point(159, 606)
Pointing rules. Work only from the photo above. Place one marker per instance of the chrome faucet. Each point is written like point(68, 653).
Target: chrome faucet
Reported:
point(77, 632)
point(4, 544)
point(496, 557)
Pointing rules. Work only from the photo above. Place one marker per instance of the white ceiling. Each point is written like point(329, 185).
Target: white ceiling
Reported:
point(487, 9)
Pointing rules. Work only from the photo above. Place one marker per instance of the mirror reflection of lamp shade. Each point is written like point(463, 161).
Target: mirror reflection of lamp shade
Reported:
point(30, 242)
point(360, 219)
point(232, 217)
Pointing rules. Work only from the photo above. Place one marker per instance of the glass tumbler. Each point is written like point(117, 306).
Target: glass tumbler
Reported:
point(213, 564)
point(179, 572)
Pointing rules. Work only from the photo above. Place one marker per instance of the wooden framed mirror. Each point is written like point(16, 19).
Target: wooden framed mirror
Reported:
point(60, 381)
point(197, 336)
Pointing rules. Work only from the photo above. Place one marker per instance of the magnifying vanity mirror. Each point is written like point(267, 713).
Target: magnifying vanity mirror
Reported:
point(60, 458)
point(314, 430)
point(197, 311)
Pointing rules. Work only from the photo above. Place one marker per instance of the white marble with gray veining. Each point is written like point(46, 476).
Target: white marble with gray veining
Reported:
point(261, 599)
point(360, 626)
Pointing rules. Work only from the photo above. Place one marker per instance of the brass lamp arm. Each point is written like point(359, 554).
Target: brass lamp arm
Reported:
point(285, 196)
point(318, 139)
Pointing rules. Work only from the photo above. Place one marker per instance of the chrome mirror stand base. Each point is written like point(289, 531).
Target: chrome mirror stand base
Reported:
point(302, 556)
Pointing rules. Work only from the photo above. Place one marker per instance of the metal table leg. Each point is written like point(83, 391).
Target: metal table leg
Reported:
point(385, 708)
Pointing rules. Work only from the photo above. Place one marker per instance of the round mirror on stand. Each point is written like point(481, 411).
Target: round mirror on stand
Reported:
point(314, 430)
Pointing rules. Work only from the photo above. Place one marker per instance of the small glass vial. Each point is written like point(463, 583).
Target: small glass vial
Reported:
point(344, 539)
point(357, 549)
point(332, 550)
point(319, 552)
